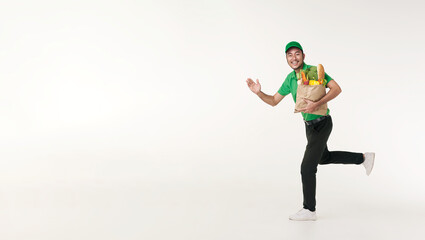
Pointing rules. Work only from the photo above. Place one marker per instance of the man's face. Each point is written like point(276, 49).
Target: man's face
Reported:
point(295, 58)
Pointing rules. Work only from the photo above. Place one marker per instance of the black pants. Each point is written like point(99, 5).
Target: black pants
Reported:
point(316, 153)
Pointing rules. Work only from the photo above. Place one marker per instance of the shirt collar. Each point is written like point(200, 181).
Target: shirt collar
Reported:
point(305, 66)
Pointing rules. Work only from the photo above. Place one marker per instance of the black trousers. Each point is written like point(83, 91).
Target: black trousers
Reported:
point(316, 153)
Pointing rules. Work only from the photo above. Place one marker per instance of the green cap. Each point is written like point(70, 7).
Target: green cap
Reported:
point(293, 44)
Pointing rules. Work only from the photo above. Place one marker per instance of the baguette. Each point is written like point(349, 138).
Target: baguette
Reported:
point(320, 72)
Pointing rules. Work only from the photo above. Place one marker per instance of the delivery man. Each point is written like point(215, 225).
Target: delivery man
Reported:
point(318, 129)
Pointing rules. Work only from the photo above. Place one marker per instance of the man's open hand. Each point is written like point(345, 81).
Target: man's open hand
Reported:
point(255, 87)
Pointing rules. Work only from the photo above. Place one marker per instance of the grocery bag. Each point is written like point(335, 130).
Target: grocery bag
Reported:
point(313, 93)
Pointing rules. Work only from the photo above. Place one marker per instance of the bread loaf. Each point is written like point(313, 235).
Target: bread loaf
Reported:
point(320, 72)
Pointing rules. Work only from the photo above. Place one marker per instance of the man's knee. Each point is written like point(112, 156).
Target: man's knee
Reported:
point(308, 168)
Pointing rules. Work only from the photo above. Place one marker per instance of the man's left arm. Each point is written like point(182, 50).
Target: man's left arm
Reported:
point(334, 90)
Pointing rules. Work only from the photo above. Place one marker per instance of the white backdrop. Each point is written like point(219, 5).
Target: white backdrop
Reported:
point(129, 119)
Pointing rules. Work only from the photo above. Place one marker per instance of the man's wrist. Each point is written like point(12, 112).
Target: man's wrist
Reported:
point(318, 103)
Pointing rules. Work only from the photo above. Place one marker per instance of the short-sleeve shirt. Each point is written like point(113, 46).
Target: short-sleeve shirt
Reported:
point(290, 85)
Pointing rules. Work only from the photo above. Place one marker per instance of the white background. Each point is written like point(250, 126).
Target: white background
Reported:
point(132, 119)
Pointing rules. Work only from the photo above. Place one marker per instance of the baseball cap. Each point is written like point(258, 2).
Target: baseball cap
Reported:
point(293, 44)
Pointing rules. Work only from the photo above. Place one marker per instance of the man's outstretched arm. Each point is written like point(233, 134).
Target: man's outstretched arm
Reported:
point(256, 88)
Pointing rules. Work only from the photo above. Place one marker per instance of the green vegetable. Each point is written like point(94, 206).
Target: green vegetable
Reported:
point(311, 73)
point(298, 75)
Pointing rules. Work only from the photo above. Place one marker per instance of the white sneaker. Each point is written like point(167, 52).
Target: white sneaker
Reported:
point(304, 215)
point(369, 159)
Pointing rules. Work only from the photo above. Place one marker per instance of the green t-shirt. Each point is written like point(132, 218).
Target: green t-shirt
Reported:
point(290, 85)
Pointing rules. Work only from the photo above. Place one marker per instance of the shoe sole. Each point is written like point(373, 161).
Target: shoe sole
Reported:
point(373, 162)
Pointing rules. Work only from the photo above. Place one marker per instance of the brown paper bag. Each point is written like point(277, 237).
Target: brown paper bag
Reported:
point(313, 93)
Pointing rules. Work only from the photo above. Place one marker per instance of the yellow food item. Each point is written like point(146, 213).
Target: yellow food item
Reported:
point(314, 82)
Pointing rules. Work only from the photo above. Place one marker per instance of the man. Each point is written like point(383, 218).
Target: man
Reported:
point(318, 129)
